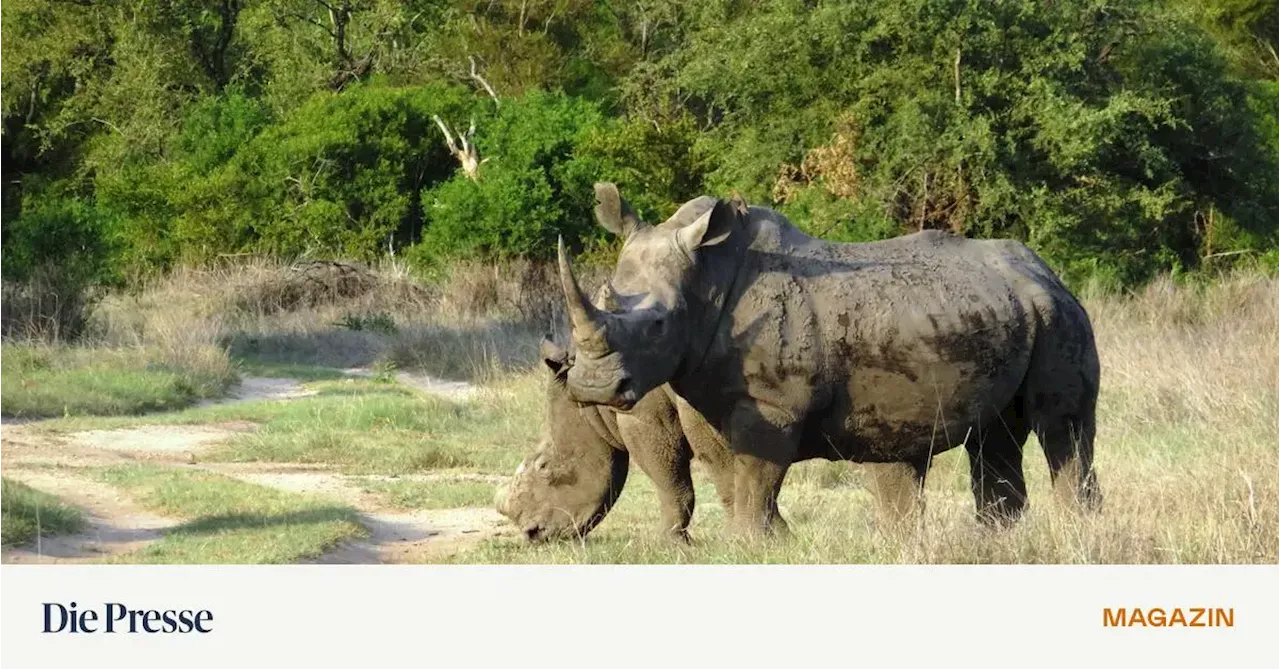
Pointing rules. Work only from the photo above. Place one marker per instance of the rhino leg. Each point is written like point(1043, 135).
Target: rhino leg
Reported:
point(720, 467)
point(1068, 446)
point(661, 451)
point(764, 442)
point(1062, 397)
point(897, 488)
point(995, 468)
point(709, 448)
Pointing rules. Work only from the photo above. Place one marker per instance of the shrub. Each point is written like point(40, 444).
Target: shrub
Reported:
point(1103, 133)
point(340, 176)
point(54, 253)
point(537, 185)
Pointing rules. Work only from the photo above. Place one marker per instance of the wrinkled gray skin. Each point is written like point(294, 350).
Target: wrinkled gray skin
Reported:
point(887, 352)
point(569, 483)
point(578, 470)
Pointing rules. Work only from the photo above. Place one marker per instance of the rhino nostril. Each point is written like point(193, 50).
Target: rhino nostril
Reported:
point(533, 532)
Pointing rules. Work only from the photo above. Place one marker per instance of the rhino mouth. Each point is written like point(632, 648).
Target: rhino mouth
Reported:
point(620, 395)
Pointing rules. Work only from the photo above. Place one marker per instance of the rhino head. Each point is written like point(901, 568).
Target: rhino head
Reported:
point(568, 484)
point(639, 342)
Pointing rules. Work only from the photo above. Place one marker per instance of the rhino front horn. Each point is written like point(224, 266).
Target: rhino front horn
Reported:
point(583, 316)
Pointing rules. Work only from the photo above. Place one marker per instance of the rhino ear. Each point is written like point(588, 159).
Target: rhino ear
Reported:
point(556, 358)
point(613, 212)
point(711, 228)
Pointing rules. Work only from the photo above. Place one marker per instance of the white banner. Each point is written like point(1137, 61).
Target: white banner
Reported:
point(651, 616)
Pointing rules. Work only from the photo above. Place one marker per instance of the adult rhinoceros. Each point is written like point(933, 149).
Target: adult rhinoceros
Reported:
point(568, 484)
point(889, 351)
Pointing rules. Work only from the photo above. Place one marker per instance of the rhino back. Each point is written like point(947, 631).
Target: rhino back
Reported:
point(880, 347)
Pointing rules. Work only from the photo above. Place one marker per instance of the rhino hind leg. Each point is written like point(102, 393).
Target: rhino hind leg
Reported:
point(995, 469)
point(1068, 446)
point(1061, 398)
point(898, 489)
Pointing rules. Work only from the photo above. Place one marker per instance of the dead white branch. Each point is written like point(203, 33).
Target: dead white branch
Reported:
point(488, 89)
point(468, 156)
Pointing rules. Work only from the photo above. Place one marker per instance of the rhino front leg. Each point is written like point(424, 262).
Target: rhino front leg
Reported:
point(721, 468)
point(764, 441)
point(664, 456)
point(671, 477)
point(710, 448)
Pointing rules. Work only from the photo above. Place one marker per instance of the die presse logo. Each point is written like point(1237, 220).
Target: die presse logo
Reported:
point(115, 618)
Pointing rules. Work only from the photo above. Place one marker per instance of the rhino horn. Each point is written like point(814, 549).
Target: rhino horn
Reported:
point(613, 212)
point(583, 316)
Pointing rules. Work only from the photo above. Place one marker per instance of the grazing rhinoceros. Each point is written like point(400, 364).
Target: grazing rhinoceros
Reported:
point(798, 348)
point(576, 474)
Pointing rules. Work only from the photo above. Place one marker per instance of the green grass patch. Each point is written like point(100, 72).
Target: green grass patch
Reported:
point(368, 427)
point(26, 512)
point(410, 494)
point(231, 521)
point(52, 381)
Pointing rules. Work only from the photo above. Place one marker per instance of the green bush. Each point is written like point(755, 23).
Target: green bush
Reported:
point(536, 186)
point(340, 176)
point(54, 254)
point(1104, 133)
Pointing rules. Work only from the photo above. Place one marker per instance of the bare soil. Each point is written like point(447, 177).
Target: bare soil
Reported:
point(50, 462)
point(114, 524)
point(459, 391)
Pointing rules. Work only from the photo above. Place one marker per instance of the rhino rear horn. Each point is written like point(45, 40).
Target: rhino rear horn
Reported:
point(613, 212)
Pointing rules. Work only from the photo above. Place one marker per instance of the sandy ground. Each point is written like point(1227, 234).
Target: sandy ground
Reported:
point(455, 390)
point(115, 525)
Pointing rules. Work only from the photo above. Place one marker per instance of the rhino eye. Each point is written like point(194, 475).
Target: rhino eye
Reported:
point(658, 327)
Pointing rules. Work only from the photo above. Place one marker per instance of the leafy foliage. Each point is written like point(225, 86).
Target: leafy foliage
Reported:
point(1119, 138)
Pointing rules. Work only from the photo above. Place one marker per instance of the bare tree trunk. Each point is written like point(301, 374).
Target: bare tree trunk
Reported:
point(467, 155)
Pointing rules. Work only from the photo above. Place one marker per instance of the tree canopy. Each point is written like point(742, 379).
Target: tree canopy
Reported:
point(1119, 138)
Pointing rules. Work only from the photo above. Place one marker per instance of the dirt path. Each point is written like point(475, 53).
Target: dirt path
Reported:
point(460, 391)
point(48, 462)
point(114, 524)
point(394, 536)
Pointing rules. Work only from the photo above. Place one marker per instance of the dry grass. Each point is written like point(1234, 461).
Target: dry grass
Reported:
point(478, 321)
point(1186, 452)
point(49, 307)
point(1187, 442)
